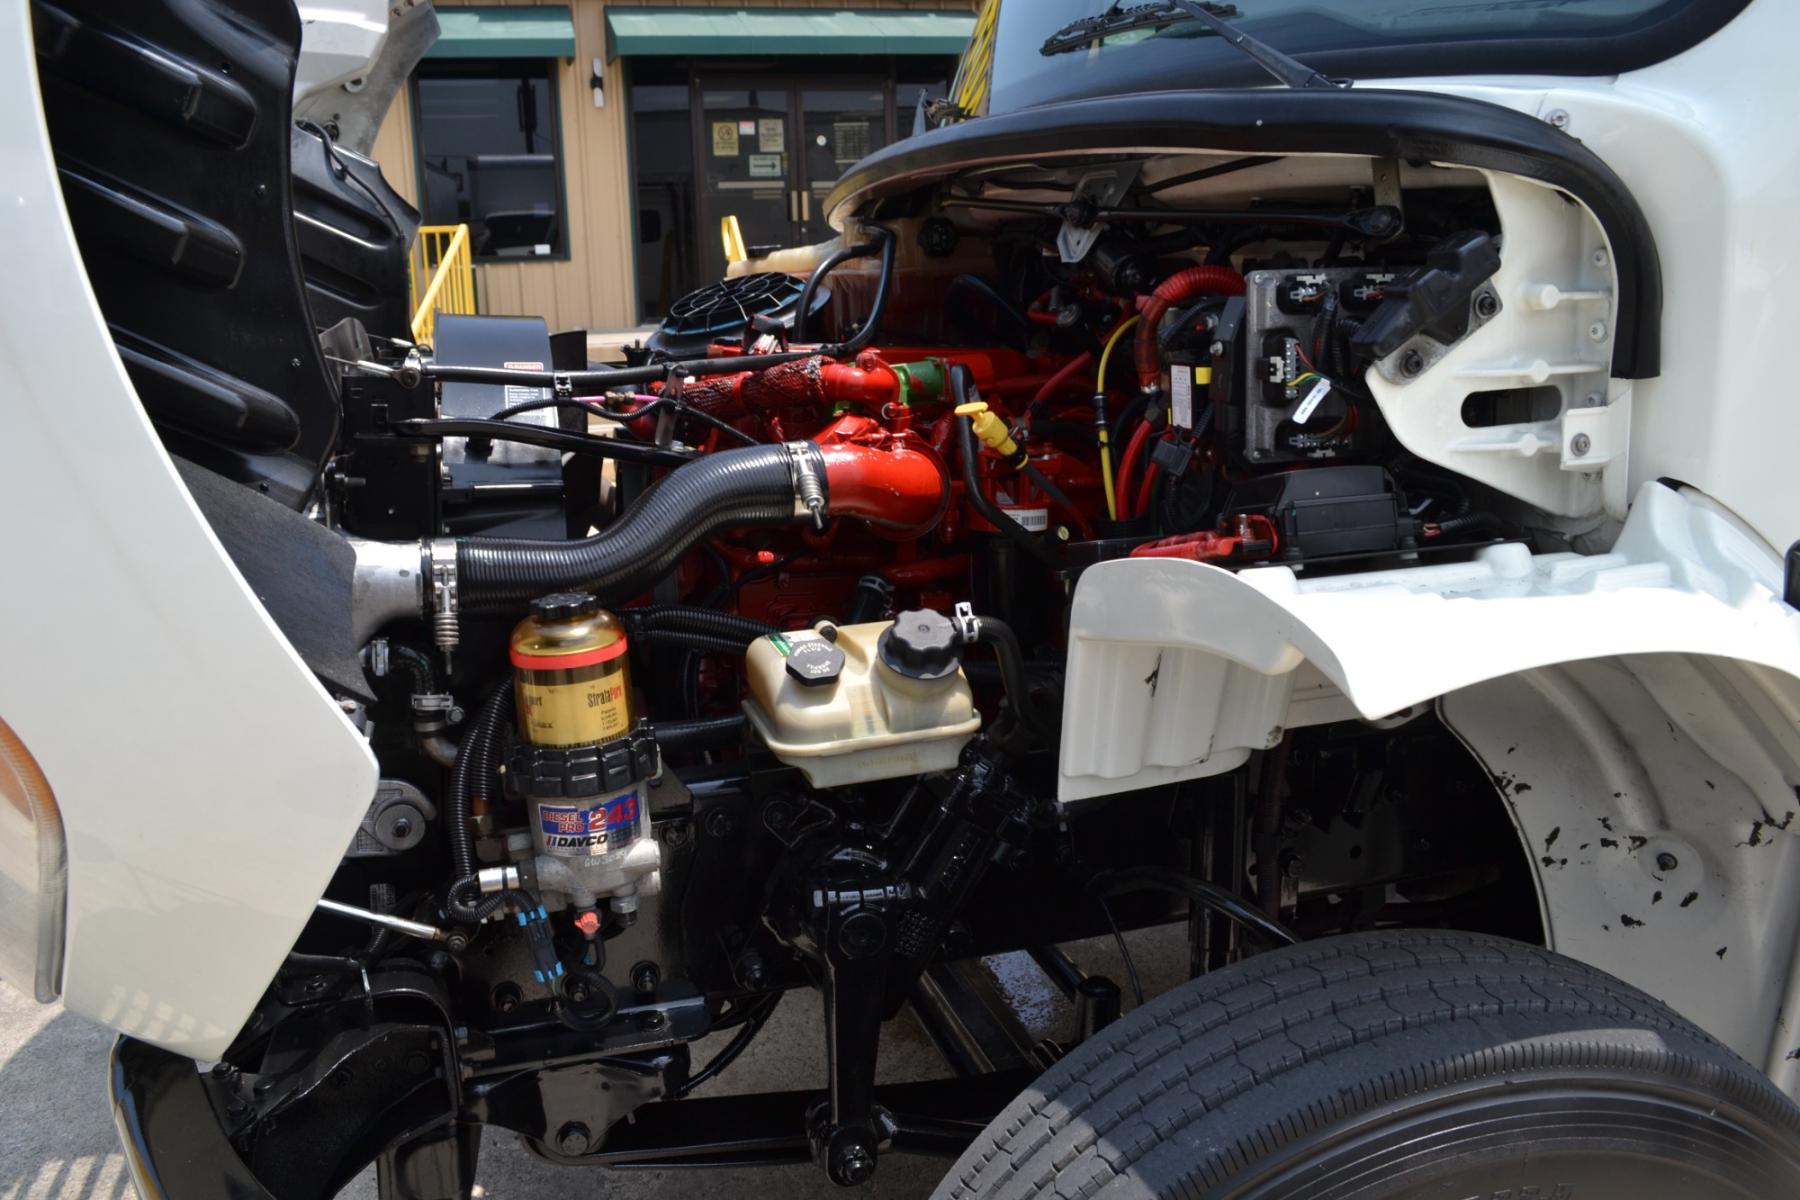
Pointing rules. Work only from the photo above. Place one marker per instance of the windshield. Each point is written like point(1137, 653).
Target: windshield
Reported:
point(1362, 39)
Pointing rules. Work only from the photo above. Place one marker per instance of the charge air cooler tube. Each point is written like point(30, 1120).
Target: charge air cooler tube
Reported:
point(892, 488)
point(733, 488)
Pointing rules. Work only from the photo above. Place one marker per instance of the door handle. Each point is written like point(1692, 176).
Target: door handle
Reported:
point(805, 205)
point(794, 207)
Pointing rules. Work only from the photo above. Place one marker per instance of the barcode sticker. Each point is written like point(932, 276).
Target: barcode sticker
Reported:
point(1314, 398)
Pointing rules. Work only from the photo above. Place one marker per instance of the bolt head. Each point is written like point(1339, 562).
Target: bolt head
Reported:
point(855, 1164)
point(1486, 305)
point(1558, 118)
point(1666, 861)
point(1411, 363)
point(1580, 444)
point(573, 1138)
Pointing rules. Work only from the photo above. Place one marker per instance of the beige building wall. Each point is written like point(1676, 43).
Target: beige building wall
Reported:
point(595, 288)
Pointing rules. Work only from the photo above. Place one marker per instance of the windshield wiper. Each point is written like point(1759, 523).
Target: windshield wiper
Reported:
point(1288, 70)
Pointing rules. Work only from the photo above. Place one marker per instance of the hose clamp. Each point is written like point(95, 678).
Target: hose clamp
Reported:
point(968, 625)
point(809, 489)
point(446, 625)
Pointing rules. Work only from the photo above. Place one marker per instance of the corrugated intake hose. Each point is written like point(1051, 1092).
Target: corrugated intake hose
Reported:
point(733, 488)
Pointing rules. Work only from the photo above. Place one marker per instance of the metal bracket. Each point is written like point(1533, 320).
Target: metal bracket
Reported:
point(1101, 188)
point(1385, 177)
point(1594, 437)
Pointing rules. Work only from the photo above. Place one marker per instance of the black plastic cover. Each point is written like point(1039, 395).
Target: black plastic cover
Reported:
point(1433, 299)
point(170, 125)
point(1329, 511)
point(355, 232)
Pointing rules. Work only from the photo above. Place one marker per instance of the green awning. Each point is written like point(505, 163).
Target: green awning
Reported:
point(544, 31)
point(752, 31)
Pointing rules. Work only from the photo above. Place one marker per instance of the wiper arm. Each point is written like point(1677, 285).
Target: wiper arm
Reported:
point(1288, 70)
point(1086, 31)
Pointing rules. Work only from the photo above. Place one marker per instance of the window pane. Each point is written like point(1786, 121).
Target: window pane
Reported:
point(488, 146)
point(663, 155)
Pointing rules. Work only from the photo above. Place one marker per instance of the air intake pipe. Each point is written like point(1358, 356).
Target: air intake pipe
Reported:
point(897, 486)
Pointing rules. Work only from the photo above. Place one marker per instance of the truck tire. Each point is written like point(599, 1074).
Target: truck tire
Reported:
point(1394, 1065)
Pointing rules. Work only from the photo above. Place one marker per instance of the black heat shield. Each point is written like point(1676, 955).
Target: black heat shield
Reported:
point(170, 122)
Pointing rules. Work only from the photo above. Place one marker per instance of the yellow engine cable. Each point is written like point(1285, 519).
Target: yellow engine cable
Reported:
point(1106, 464)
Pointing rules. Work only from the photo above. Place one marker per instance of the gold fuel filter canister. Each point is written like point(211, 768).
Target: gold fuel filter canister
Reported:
point(571, 680)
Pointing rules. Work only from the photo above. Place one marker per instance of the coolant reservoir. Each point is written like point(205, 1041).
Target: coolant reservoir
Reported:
point(849, 704)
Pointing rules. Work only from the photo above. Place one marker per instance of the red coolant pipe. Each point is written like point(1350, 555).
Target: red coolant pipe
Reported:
point(893, 481)
point(1182, 285)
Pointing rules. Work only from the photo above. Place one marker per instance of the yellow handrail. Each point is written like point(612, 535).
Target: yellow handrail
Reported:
point(441, 258)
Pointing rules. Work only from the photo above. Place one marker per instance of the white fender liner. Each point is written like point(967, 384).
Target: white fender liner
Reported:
point(1178, 670)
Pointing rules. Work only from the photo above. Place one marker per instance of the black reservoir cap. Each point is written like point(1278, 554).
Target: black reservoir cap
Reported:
point(815, 662)
point(921, 644)
point(561, 606)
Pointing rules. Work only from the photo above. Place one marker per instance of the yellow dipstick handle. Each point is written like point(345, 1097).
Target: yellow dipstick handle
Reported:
point(990, 429)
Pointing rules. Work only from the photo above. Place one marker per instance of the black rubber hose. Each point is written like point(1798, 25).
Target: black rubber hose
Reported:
point(733, 488)
point(1049, 489)
point(965, 436)
point(417, 664)
point(702, 734)
point(473, 755)
point(1206, 895)
point(706, 643)
point(833, 261)
point(1011, 657)
point(883, 285)
point(694, 619)
point(465, 903)
point(1474, 522)
point(736, 1046)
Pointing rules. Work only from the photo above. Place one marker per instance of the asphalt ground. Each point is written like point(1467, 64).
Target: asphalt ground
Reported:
point(57, 1142)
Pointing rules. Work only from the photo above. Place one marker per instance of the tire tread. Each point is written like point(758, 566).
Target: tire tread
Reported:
point(1172, 1066)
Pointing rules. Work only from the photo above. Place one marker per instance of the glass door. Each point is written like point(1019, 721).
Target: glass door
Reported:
point(839, 124)
point(744, 145)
